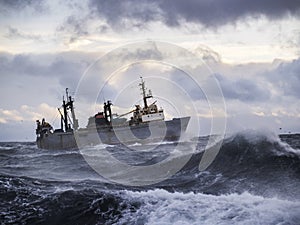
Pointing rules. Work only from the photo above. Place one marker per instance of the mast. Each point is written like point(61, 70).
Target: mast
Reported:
point(75, 121)
point(69, 106)
point(109, 104)
point(65, 114)
point(107, 111)
point(145, 96)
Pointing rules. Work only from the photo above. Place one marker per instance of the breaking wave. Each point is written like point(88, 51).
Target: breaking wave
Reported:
point(254, 179)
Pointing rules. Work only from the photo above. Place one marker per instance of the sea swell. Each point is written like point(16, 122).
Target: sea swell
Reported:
point(28, 202)
point(36, 202)
point(254, 179)
point(162, 207)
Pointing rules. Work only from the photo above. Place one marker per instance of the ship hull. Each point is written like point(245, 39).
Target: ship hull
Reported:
point(170, 130)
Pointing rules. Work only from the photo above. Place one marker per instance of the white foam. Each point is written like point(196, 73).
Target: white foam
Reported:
point(94, 150)
point(162, 207)
point(6, 148)
point(256, 136)
point(136, 144)
point(62, 189)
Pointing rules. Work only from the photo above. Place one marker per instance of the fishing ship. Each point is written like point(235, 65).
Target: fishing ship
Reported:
point(147, 124)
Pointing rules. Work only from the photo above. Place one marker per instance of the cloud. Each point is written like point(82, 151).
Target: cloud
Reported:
point(124, 14)
point(27, 113)
point(15, 33)
point(187, 82)
point(34, 78)
point(7, 6)
point(66, 68)
point(7, 115)
point(286, 78)
point(19, 123)
point(95, 80)
point(252, 92)
point(75, 26)
point(207, 55)
point(216, 13)
point(52, 73)
point(242, 89)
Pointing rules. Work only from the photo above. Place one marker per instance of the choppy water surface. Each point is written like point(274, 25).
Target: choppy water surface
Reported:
point(255, 179)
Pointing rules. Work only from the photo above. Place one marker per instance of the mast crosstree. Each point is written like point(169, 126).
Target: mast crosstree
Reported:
point(145, 95)
point(69, 106)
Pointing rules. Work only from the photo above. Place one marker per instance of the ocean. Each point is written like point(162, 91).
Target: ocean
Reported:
point(254, 179)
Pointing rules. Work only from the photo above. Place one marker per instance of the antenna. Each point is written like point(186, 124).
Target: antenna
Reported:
point(67, 94)
point(145, 96)
point(142, 84)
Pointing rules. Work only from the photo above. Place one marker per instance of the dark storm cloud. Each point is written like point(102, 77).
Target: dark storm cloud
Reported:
point(6, 6)
point(244, 90)
point(271, 84)
point(176, 12)
point(67, 70)
point(215, 13)
point(121, 14)
point(76, 26)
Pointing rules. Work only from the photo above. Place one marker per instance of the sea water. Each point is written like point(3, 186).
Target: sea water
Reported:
point(254, 179)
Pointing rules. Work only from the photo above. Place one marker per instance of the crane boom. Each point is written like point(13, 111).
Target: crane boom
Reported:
point(126, 113)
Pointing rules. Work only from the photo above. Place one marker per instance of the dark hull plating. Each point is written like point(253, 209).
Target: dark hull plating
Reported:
point(142, 133)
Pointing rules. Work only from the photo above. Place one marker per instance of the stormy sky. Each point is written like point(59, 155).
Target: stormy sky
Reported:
point(252, 49)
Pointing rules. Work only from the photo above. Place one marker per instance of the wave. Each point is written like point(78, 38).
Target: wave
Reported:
point(252, 151)
point(256, 162)
point(162, 207)
point(31, 201)
point(247, 161)
point(254, 179)
point(34, 202)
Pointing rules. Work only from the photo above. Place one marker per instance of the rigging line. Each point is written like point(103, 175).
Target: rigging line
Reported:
point(70, 120)
point(54, 118)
